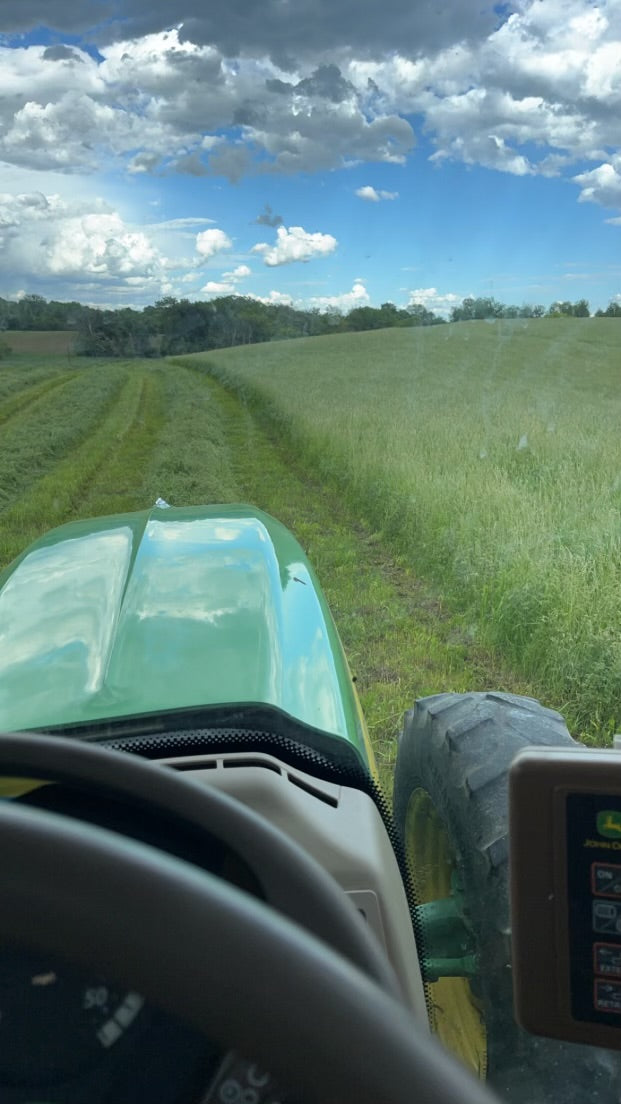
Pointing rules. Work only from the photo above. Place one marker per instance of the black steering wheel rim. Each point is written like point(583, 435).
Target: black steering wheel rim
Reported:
point(219, 959)
point(319, 1008)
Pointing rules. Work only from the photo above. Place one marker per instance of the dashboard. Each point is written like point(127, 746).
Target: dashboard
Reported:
point(81, 883)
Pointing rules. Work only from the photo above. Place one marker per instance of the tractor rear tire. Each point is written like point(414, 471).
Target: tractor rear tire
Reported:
point(451, 810)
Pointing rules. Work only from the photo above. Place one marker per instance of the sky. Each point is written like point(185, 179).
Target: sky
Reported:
point(324, 153)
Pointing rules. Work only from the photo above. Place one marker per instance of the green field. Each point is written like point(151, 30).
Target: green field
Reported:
point(87, 437)
point(489, 456)
point(44, 342)
point(458, 488)
point(97, 437)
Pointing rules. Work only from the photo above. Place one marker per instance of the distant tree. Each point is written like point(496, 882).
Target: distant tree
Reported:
point(560, 309)
point(421, 316)
point(334, 320)
point(481, 308)
point(365, 318)
point(488, 308)
point(120, 333)
point(464, 313)
point(613, 310)
point(565, 309)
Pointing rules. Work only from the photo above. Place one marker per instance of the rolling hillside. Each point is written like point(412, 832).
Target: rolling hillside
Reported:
point(489, 455)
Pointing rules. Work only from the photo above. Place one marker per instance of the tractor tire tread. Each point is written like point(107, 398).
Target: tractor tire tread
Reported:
point(458, 747)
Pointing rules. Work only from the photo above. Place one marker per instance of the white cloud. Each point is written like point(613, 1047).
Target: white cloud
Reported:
point(213, 287)
point(527, 92)
point(602, 185)
point(75, 247)
point(278, 298)
point(539, 92)
point(210, 242)
point(295, 244)
point(439, 302)
point(100, 245)
point(238, 273)
point(368, 192)
point(156, 102)
point(347, 300)
point(228, 283)
point(531, 92)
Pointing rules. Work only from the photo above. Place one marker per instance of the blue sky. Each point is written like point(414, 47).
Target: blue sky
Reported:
point(305, 159)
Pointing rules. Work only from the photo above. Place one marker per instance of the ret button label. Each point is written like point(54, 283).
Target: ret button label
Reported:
point(607, 996)
point(607, 959)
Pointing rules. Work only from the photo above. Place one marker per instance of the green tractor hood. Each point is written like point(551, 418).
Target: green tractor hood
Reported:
point(167, 610)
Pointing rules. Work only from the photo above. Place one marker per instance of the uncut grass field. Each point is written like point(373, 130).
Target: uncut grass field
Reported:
point(489, 456)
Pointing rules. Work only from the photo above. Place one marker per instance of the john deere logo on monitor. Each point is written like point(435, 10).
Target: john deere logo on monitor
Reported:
point(609, 823)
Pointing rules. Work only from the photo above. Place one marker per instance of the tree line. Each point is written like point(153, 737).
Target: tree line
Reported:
point(486, 308)
point(173, 326)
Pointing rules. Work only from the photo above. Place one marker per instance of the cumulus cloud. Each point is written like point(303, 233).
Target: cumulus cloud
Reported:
point(372, 195)
point(295, 244)
point(347, 300)
point(439, 302)
point(238, 273)
point(73, 112)
point(143, 163)
point(284, 32)
point(100, 244)
point(85, 246)
point(602, 185)
point(540, 91)
point(214, 287)
point(523, 89)
point(228, 284)
point(162, 102)
point(277, 298)
point(210, 242)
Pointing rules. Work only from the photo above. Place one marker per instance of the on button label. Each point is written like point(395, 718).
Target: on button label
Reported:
point(606, 879)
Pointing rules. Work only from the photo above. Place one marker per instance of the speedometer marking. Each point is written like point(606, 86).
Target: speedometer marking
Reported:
point(129, 1009)
point(109, 1033)
point(125, 1014)
point(44, 979)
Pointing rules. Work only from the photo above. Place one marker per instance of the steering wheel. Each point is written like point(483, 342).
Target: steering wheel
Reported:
point(245, 975)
